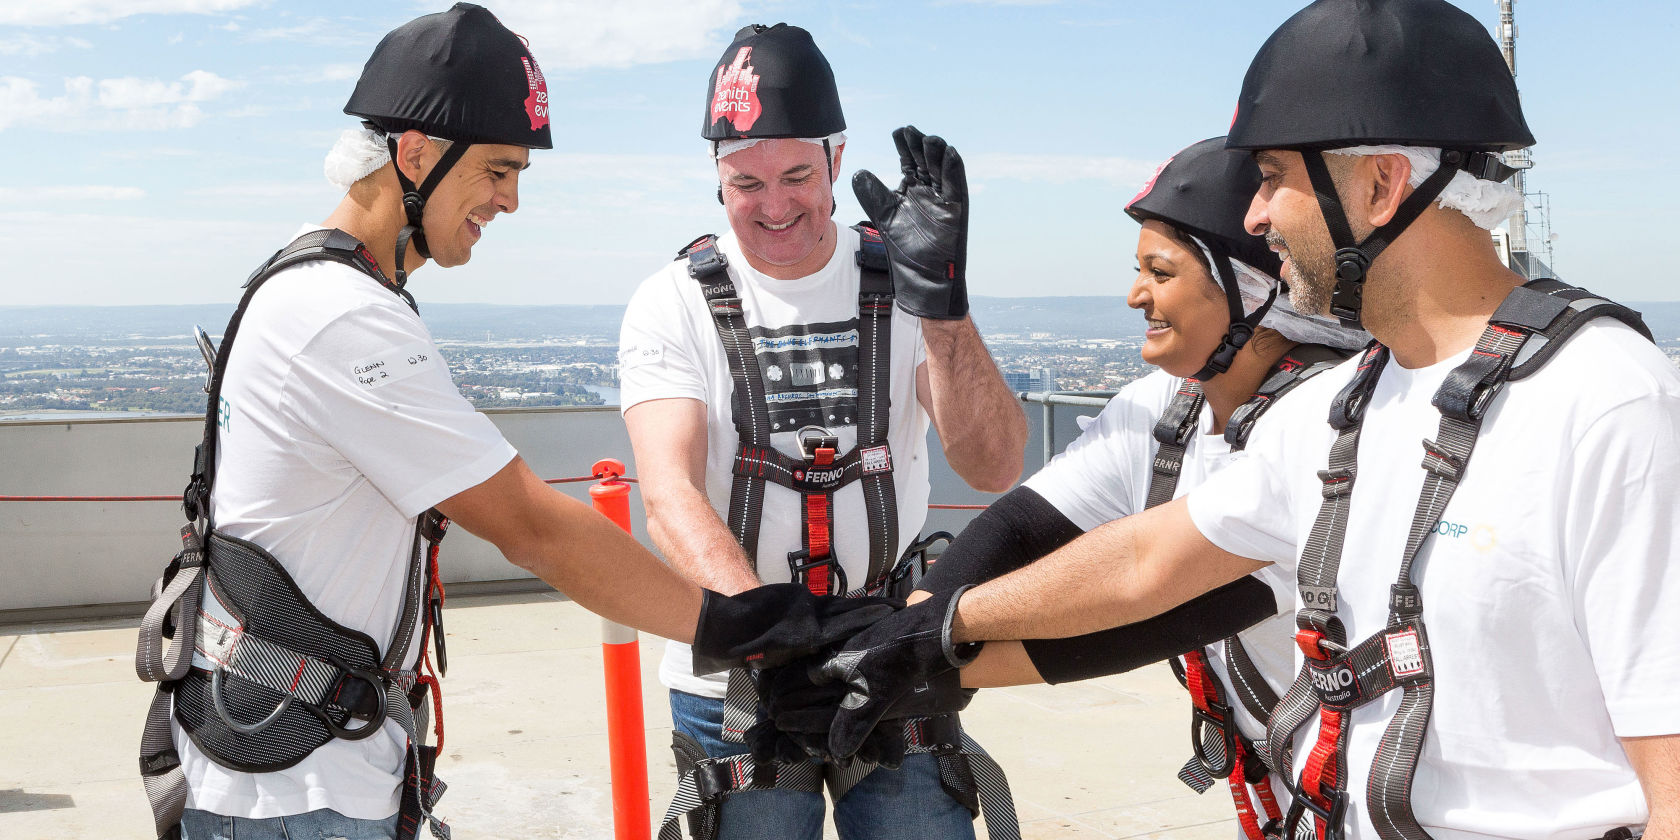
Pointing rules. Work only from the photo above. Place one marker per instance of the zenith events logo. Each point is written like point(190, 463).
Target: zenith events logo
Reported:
point(536, 104)
point(736, 97)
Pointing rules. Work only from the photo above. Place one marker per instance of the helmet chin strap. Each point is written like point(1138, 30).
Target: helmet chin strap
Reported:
point(1241, 329)
point(414, 203)
point(1353, 259)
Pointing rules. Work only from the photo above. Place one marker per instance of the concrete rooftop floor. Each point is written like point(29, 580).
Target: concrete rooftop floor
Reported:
point(526, 753)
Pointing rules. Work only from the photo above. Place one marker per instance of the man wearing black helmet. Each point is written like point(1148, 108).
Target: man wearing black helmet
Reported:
point(294, 694)
point(1537, 702)
point(778, 383)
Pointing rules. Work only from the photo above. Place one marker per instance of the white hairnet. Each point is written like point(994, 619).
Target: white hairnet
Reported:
point(724, 148)
point(1487, 203)
point(1255, 286)
point(358, 152)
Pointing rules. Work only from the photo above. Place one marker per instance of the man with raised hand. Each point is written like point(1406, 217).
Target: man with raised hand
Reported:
point(778, 384)
point(1536, 539)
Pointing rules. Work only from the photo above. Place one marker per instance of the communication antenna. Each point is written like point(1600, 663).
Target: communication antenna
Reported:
point(1528, 228)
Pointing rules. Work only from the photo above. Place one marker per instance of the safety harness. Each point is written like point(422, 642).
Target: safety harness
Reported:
point(966, 772)
point(1220, 750)
point(1529, 326)
point(286, 679)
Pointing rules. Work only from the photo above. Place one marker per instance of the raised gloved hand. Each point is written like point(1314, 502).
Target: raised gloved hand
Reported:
point(924, 223)
point(774, 624)
point(895, 667)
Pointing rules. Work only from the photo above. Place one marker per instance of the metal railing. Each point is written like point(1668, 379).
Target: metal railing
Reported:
point(1048, 400)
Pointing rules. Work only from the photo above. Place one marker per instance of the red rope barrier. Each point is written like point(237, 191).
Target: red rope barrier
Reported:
point(90, 498)
point(178, 498)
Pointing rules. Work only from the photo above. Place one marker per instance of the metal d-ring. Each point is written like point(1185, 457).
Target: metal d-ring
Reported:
point(373, 724)
point(242, 728)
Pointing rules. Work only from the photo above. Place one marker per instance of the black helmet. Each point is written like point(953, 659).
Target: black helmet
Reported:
point(458, 75)
point(772, 81)
point(1370, 72)
point(1204, 191)
point(1374, 72)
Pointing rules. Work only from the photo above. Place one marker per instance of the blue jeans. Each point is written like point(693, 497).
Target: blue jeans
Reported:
point(903, 804)
point(316, 825)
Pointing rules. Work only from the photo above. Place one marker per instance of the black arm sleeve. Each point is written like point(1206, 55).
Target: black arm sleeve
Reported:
point(1015, 530)
point(1196, 623)
point(1021, 526)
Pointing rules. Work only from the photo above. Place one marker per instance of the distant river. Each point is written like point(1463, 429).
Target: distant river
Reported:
point(608, 394)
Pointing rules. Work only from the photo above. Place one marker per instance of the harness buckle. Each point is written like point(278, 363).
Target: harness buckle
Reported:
point(817, 443)
point(159, 763)
point(372, 722)
point(1217, 716)
point(227, 717)
point(1337, 482)
point(1316, 645)
point(1441, 462)
point(941, 734)
point(713, 778)
point(1333, 817)
point(800, 565)
point(705, 260)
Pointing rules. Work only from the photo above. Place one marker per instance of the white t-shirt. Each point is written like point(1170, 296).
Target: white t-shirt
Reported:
point(340, 425)
point(1551, 587)
point(805, 338)
point(1104, 475)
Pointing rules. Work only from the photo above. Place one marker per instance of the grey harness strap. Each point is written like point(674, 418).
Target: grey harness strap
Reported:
point(965, 770)
point(1219, 749)
point(286, 679)
point(1528, 327)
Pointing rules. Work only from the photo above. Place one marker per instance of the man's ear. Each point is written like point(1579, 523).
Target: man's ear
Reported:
point(1390, 184)
point(411, 149)
point(835, 169)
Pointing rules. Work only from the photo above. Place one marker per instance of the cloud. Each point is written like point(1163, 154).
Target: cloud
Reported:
point(122, 104)
point(268, 189)
point(1058, 169)
point(67, 12)
point(581, 34)
point(320, 31)
point(30, 46)
point(13, 195)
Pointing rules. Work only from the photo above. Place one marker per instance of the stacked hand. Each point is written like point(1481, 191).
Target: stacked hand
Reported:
point(775, 624)
point(903, 665)
point(924, 223)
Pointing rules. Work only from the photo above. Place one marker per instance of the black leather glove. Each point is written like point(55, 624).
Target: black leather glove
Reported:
point(889, 664)
point(800, 705)
point(774, 624)
point(924, 223)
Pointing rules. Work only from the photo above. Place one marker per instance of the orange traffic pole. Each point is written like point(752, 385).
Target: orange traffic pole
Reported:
point(621, 656)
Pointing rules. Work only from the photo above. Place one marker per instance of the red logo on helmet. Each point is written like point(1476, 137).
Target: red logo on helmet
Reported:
point(1151, 185)
point(736, 98)
point(536, 105)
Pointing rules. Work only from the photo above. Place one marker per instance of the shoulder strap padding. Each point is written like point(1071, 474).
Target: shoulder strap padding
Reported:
point(705, 261)
point(874, 265)
point(333, 245)
point(1553, 311)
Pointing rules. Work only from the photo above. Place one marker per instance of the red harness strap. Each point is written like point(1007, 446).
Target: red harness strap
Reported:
point(1320, 784)
point(1205, 695)
point(818, 512)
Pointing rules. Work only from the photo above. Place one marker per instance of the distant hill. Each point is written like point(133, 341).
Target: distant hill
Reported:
point(1071, 317)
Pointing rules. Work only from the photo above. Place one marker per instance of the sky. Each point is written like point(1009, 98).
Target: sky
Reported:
point(156, 151)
